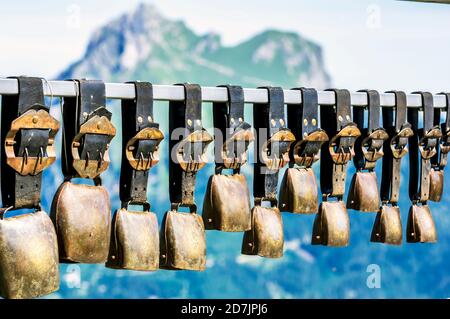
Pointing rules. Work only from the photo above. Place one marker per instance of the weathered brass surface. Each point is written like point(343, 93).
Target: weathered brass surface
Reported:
point(134, 241)
point(227, 203)
point(183, 242)
point(29, 256)
point(30, 165)
point(363, 194)
point(186, 157)
point(90, 168)
point(387, 228)
point(420, 227)
point(82, 218)
point(372, 147)
point(234, 150)
point(332, 225)
point(399, 142)
point(339, 155)
point(299, 191)
point(436, 185)
point(273, 155)
point(302, 158)
point(141, 164)
point(266, 237)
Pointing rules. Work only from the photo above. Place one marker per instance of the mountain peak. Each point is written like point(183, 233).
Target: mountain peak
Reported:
point(144, 44)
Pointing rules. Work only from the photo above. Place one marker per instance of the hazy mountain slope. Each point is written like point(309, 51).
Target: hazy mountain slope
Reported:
point(145, 45)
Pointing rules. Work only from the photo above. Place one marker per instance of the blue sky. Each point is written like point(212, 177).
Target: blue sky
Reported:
point(368, 44)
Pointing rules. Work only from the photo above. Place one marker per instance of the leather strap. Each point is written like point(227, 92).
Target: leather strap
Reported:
point(391, 166)
point(419, 163)
point(373, 143)
point(23, 191)
point(302, 121)
point(303, 118)
point(333, 120)
point(439, 161)
point(78, 110)
point(185, 114)
point(137, 115)
point(228, 117)
point(268, 119)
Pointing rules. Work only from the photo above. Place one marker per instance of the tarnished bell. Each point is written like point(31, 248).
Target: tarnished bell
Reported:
point(363, 194)
point(387, 228)
point(299, 191)
point(82, 218)
point(227, 203)
point(332, 225)
point(183, 241)
point(135, 241)
point(436, 185)
point(420, 227)
point(266, 237)
point(29, 256)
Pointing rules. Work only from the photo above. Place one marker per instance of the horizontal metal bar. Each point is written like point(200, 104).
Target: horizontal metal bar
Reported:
point(211, 94)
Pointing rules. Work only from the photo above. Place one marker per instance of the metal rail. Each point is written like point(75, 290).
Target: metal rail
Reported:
point(211, 94)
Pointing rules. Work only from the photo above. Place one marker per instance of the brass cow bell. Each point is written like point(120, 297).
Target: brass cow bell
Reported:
point(363, 194)
point(332, 225)
point(183, 241)
point(420, 227)
point(387, 228)
point(266, 237)
point(436, 185)
point(82, 218)
point(227, 203)
point(299, 192)
point(134, 241)
point(29, 256)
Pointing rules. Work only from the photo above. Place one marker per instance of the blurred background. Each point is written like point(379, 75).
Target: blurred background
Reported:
point(380, 45)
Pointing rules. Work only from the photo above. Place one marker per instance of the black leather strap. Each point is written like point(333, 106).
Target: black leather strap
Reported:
point(390, 178)
point(22, 191)
point(228, 117)
point(185, 114)
point(373, 124)
point(419, 165)
point(137, 115)
point(268, 119)
point(439, 161)
point(77, 110)
point(334, 119)
point(18, 190)
point(303, 120)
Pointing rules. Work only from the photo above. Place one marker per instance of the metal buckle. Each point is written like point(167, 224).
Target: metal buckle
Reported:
point(306, 151)
point(341, 145)
point(275, 151)
point(144, 162)
point(88, 168)
point(32, 120)
point(372, 145)
point(445, 143)
point(234, 150)
point(429, 142)
point(190, 158)
point(400, 141)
